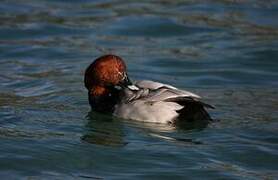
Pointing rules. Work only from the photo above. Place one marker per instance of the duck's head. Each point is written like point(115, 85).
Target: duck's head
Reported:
point(105, 73)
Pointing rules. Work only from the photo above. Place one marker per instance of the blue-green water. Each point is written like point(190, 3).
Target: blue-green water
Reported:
point(224, 50)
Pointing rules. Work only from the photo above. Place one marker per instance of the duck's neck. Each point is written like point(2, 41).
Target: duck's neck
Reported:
point(103, 99)
point(99, 91)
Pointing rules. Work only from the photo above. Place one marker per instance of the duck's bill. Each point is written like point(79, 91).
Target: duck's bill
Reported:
point(126, 83)
point(133, 87)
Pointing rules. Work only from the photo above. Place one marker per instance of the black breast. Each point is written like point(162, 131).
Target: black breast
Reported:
point(105, 103)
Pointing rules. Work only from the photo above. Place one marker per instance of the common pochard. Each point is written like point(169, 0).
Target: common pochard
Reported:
point(111, 91)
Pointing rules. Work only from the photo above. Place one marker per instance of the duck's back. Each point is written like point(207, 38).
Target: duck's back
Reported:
point(160, 103)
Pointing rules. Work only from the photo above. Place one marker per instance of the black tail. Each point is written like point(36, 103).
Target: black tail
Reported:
point(194, 110)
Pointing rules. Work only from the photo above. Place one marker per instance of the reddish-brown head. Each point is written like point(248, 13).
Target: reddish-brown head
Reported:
point(106, 71)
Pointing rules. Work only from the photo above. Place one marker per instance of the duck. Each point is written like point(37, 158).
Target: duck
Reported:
point(111, 91)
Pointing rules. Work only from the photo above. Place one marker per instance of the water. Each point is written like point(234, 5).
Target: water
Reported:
point(224, 50)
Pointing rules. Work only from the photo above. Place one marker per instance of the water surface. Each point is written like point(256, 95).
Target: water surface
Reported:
point(225, 51)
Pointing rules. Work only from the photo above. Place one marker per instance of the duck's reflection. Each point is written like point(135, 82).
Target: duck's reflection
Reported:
point(103, 130)
point(110, 131)
point(192, 125)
